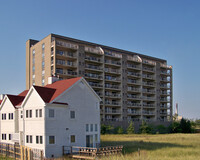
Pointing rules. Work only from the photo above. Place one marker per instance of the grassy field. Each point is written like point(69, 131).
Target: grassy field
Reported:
point(155, 147)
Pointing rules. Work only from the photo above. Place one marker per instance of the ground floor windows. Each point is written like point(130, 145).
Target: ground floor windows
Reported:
point(39, 139)
point(89, 140)
point(51, 139)
point(29, 139)
point(10, 136)
point(3, 137)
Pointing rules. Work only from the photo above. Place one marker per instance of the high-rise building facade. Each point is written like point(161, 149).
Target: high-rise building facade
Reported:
point(132, 86)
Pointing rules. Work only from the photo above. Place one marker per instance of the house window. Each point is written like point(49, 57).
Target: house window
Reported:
point(87, 127)
point(10, 116)
point(91, 127)
point(39, 139)
point(26, 113)
point(51, 139)
point(96, 127)
point(10, 136)
point(73, 139)
point(29, 139)
point(72, 114)
point(51, 113)
point(36, 113)
point(30, 113)
point(21, 114)
point(3, 116)
point(40, 112)
point(3, 136)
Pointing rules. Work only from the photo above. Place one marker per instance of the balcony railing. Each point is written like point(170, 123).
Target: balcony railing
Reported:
point(133, 89)
point(149, 105)
point(94, 67)
point(134, 112)
point(112, 119)
point(112, 95)
point(148, 113)
point(133, 74)
point(110, 70)
point(133, 96)
point(165, 66)
point(147, 76)
point(112, 54)
point(148, 83)
point(95, 76)
point(112, 103)
point(112, 62)
point(112, 111)
point(67, 45)
point(148, 69)
point(133, 81)
point(134, 58)
point(94, 50)
point(133, 66)
point(130, 104)
point(148, 62)
point(94, 59)
point(148, 91)
point(95, 84)
point(149, 98)
point(65, 54)
point(111, 78)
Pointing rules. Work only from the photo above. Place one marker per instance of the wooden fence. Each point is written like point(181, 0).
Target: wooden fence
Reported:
point(91, 153)
point(20, 152)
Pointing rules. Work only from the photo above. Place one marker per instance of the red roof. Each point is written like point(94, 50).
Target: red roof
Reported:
point(0, 101)
point(24, 93)
point(51, 91)
point(16, 100)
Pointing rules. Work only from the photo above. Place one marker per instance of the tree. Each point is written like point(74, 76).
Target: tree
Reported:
point(130, 129)
point(145, 128)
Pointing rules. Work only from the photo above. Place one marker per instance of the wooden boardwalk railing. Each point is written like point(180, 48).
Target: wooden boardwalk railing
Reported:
point(91, 153)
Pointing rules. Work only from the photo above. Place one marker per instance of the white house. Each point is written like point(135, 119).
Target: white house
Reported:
point(64, 113)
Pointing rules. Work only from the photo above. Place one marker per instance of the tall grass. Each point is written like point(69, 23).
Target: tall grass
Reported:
point(155, 147)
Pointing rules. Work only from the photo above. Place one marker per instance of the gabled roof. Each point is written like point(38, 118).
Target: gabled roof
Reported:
point(15, 100)
point(52, 91)
point(24, 93)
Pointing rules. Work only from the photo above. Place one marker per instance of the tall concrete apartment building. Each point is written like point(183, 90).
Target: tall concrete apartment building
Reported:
point(132, 86)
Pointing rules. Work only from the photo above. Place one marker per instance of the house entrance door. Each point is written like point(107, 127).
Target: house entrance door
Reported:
point(89, 140)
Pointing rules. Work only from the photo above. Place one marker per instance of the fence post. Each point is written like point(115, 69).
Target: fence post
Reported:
point(41, 155)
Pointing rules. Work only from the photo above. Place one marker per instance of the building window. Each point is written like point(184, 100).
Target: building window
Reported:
point(3, 136)
point(10, 116)
point(91, 127)
point(29, 139)
point(40, 112)
point(51, 139)
point(96, 127)
point(10, 136)
point(87, 127)
point(36, 113)
point(72, 114)
point(28, 113)
point(39, 139)
point(51, 113)
point(3, 116)
point(73, 140)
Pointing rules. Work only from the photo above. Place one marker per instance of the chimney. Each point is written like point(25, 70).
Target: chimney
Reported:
point(53, 79)
point(2, 96)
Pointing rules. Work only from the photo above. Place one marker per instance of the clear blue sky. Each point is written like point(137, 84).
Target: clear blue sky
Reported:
point(167, 29)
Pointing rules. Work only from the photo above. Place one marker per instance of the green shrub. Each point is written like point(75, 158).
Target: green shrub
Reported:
point(145, 128)
point(107, 129)
point(130, 129)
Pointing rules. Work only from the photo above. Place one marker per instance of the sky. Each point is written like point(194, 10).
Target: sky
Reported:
point(166, 29)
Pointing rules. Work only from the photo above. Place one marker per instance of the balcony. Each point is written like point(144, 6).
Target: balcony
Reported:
point(110, 78)
point(167, 80)
point(149, 98)
point(148, 69)
point(132, 89)
point(110, 95)
point(133, 81)
point(111, 62)
point(96, 50)
point(67, 45)
point(131, 104)
point(133, 119)
point(112, 119)
point(110, 86)
point(148, 105)
point(148, 91)
point(113, 71)
point(133, 112)
point(165, 66)
point(93, 59)
point(71, 73)
point(109, 103)
point(134, 74)
point(134, 58)
point(93, 76)
point(147, 76)
point(130, 96)
point(152, 84)
point(94, 68)
point(95, 85)
point(66, 54)
point(165, 73)
point(148, 113)
point(112, 54)
point(165, 86)
point(113, 111)
point(164, 100)
point(148, 62)
point(132, 66)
